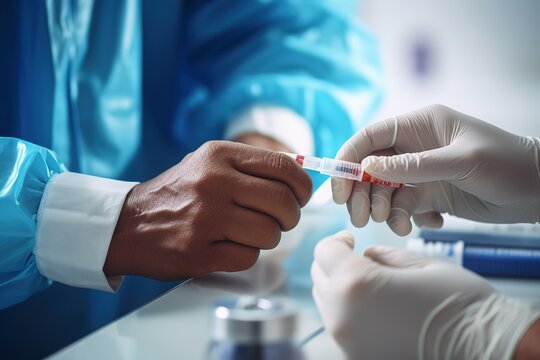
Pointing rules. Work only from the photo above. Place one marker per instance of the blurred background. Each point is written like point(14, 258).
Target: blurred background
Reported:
point(479, 57)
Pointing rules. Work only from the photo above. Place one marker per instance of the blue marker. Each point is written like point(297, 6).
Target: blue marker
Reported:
point(490, 261)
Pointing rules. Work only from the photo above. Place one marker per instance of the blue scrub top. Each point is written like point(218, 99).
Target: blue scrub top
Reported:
point(124, 89)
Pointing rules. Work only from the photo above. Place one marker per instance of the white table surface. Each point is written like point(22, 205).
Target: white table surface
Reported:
point(177, 324)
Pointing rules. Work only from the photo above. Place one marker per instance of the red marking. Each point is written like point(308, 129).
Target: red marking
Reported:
point(374, 180)
point(355, 171)
point(300, 159)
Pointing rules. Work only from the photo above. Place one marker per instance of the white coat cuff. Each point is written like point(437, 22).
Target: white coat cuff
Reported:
point(279, 123)
point(75, 223)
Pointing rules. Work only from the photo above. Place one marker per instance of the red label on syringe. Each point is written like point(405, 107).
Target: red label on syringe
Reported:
point(374, 180)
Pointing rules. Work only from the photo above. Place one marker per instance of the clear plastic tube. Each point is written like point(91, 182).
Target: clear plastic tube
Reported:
point(341, 169)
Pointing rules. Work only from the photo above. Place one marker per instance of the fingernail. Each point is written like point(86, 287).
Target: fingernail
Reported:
point(337, 186)
point(400, 225)
point(338, 194)
point(360, 213)
point(379, 208)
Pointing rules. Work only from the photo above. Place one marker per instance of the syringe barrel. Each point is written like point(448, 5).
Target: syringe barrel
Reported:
point(341, 169)
point(309, 162)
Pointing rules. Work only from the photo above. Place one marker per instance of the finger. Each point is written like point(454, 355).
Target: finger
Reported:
point(252, 228)
point(373, 138)
point(276, 166)
point(342, 188)
point(399, 258)
point(430, 219)
point(358, 204)
point(381, 197)
point(433, 165)
point(377, 136)
point(269, 197)
point(332, 250)
point(404, 203)
point(230, 256)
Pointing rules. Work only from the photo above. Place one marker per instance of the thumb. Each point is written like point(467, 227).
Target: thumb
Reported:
point(331, 251)
point(399, 258)
point(427, 166)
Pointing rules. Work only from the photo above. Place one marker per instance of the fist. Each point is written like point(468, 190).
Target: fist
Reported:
point(213, 211)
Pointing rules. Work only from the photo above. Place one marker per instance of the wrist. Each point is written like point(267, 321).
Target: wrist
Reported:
point(74, 228)
point(122, 248)
point(275, 122)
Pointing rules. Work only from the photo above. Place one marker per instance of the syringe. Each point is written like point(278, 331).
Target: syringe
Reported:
point(341, 169)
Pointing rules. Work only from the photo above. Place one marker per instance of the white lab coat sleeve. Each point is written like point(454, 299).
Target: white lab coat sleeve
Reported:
point(75, 223)
point(279, 123)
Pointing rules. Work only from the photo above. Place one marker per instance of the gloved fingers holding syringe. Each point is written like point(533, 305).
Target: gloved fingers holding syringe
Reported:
point(459, 165)
point(361, 180)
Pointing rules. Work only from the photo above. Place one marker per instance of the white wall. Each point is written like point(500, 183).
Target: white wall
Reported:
point(485, 57)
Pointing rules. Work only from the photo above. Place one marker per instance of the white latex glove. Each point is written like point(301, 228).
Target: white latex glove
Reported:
point(461, 166)
point(394, 304)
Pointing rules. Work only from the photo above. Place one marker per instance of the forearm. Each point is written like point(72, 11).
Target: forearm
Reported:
point(271, 127)
point(529, 345)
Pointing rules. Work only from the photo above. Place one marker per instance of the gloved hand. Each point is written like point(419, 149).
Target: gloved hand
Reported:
point(211, 212)
point(393, 304)
point(460, 165)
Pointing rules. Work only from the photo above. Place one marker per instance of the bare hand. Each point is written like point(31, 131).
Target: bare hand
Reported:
point(213, 211)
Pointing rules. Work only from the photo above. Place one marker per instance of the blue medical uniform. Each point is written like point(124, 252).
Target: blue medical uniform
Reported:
point(124, 89)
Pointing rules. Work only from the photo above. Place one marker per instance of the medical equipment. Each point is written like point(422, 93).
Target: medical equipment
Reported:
point(342, 169)
point(495, 260)
point(251, 327)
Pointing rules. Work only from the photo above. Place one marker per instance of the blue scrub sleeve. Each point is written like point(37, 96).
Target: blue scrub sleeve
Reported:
point(25, 169)
point(310, 56)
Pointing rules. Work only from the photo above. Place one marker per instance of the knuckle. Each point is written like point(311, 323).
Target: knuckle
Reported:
point(437, 107)
point(346, 152)
point(279, 161)
point(282, 196)
point(435, 111)
point(248, 260)
point(271, 235)
point(307, 189)
point(214, 148)
point(286, 204)
point(210, 146)
point(276, 239)
point(292, 221)
point(268, 232)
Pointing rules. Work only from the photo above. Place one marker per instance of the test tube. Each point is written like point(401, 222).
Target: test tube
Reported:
point(341, 169)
